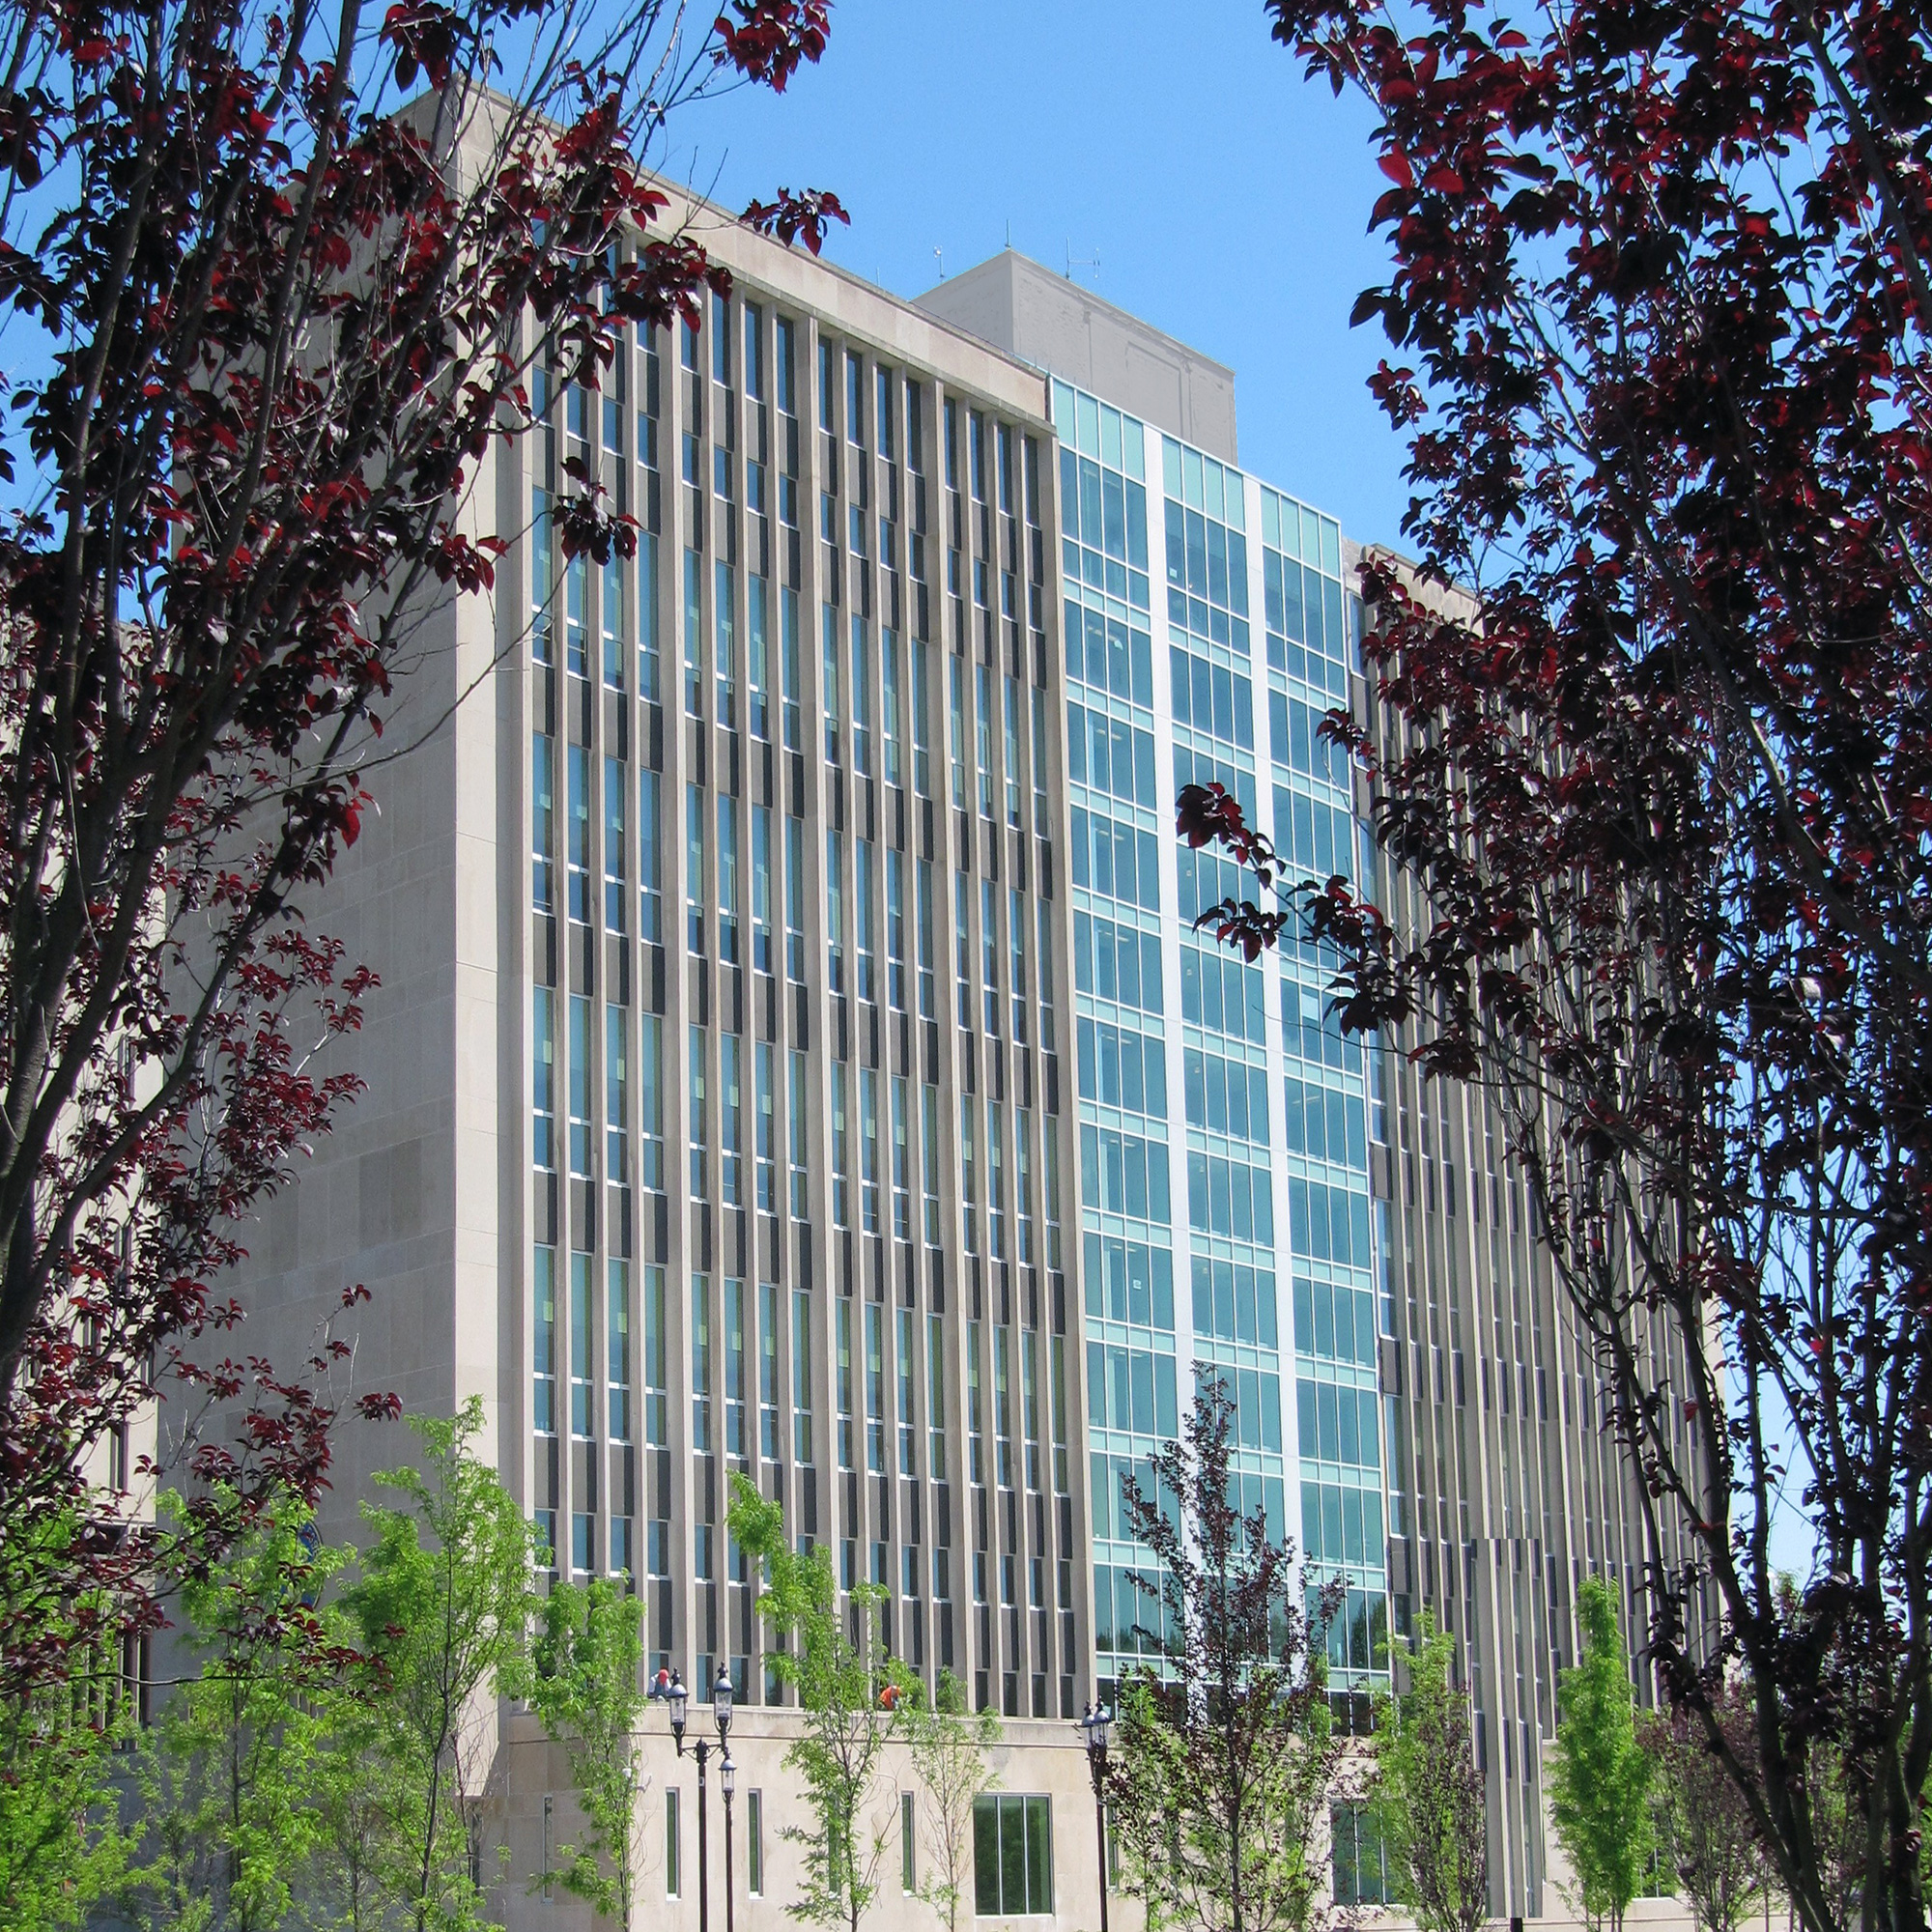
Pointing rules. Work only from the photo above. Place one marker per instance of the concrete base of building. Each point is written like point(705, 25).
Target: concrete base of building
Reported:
point(534, 1813)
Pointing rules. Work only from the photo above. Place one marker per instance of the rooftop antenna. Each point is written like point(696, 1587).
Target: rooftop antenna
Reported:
point(939, 256)
point(1074, 260)
point(1010, 232)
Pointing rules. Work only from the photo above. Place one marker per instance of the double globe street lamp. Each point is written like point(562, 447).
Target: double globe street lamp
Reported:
point(1095, 1723)
point(669, 1689)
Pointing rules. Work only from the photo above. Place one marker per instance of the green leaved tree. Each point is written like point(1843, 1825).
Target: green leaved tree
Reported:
point(850, 1695)
point(1600, 1776)
point(949, 1746)
point(442, 1607)
point(582, 1680)
point(1428, 1794)
point(226, 1770)
point(353, 1814)
point(63, 1847)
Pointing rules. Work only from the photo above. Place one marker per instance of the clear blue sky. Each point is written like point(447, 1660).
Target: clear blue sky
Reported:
point(1226, 197)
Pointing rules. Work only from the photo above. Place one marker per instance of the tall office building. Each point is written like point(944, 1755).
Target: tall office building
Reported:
point(1258, 1231)
point(793, 1058)
point(1226, 1222)
point(1444, 1433)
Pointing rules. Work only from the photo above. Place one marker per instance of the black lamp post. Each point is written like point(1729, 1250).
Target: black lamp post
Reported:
point(1095, 1723)
point(669, 1686)
point(727, 1778)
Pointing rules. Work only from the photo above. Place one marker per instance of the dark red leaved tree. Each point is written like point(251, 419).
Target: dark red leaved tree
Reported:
point(266, 321)
point(1707, 1833)
point(1654, 783)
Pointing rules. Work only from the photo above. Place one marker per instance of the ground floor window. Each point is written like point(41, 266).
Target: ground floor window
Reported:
point(1012, 1857)
point(1361, 1876)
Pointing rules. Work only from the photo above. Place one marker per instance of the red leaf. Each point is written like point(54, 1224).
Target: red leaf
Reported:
point(801, 216)
point(770, 39)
